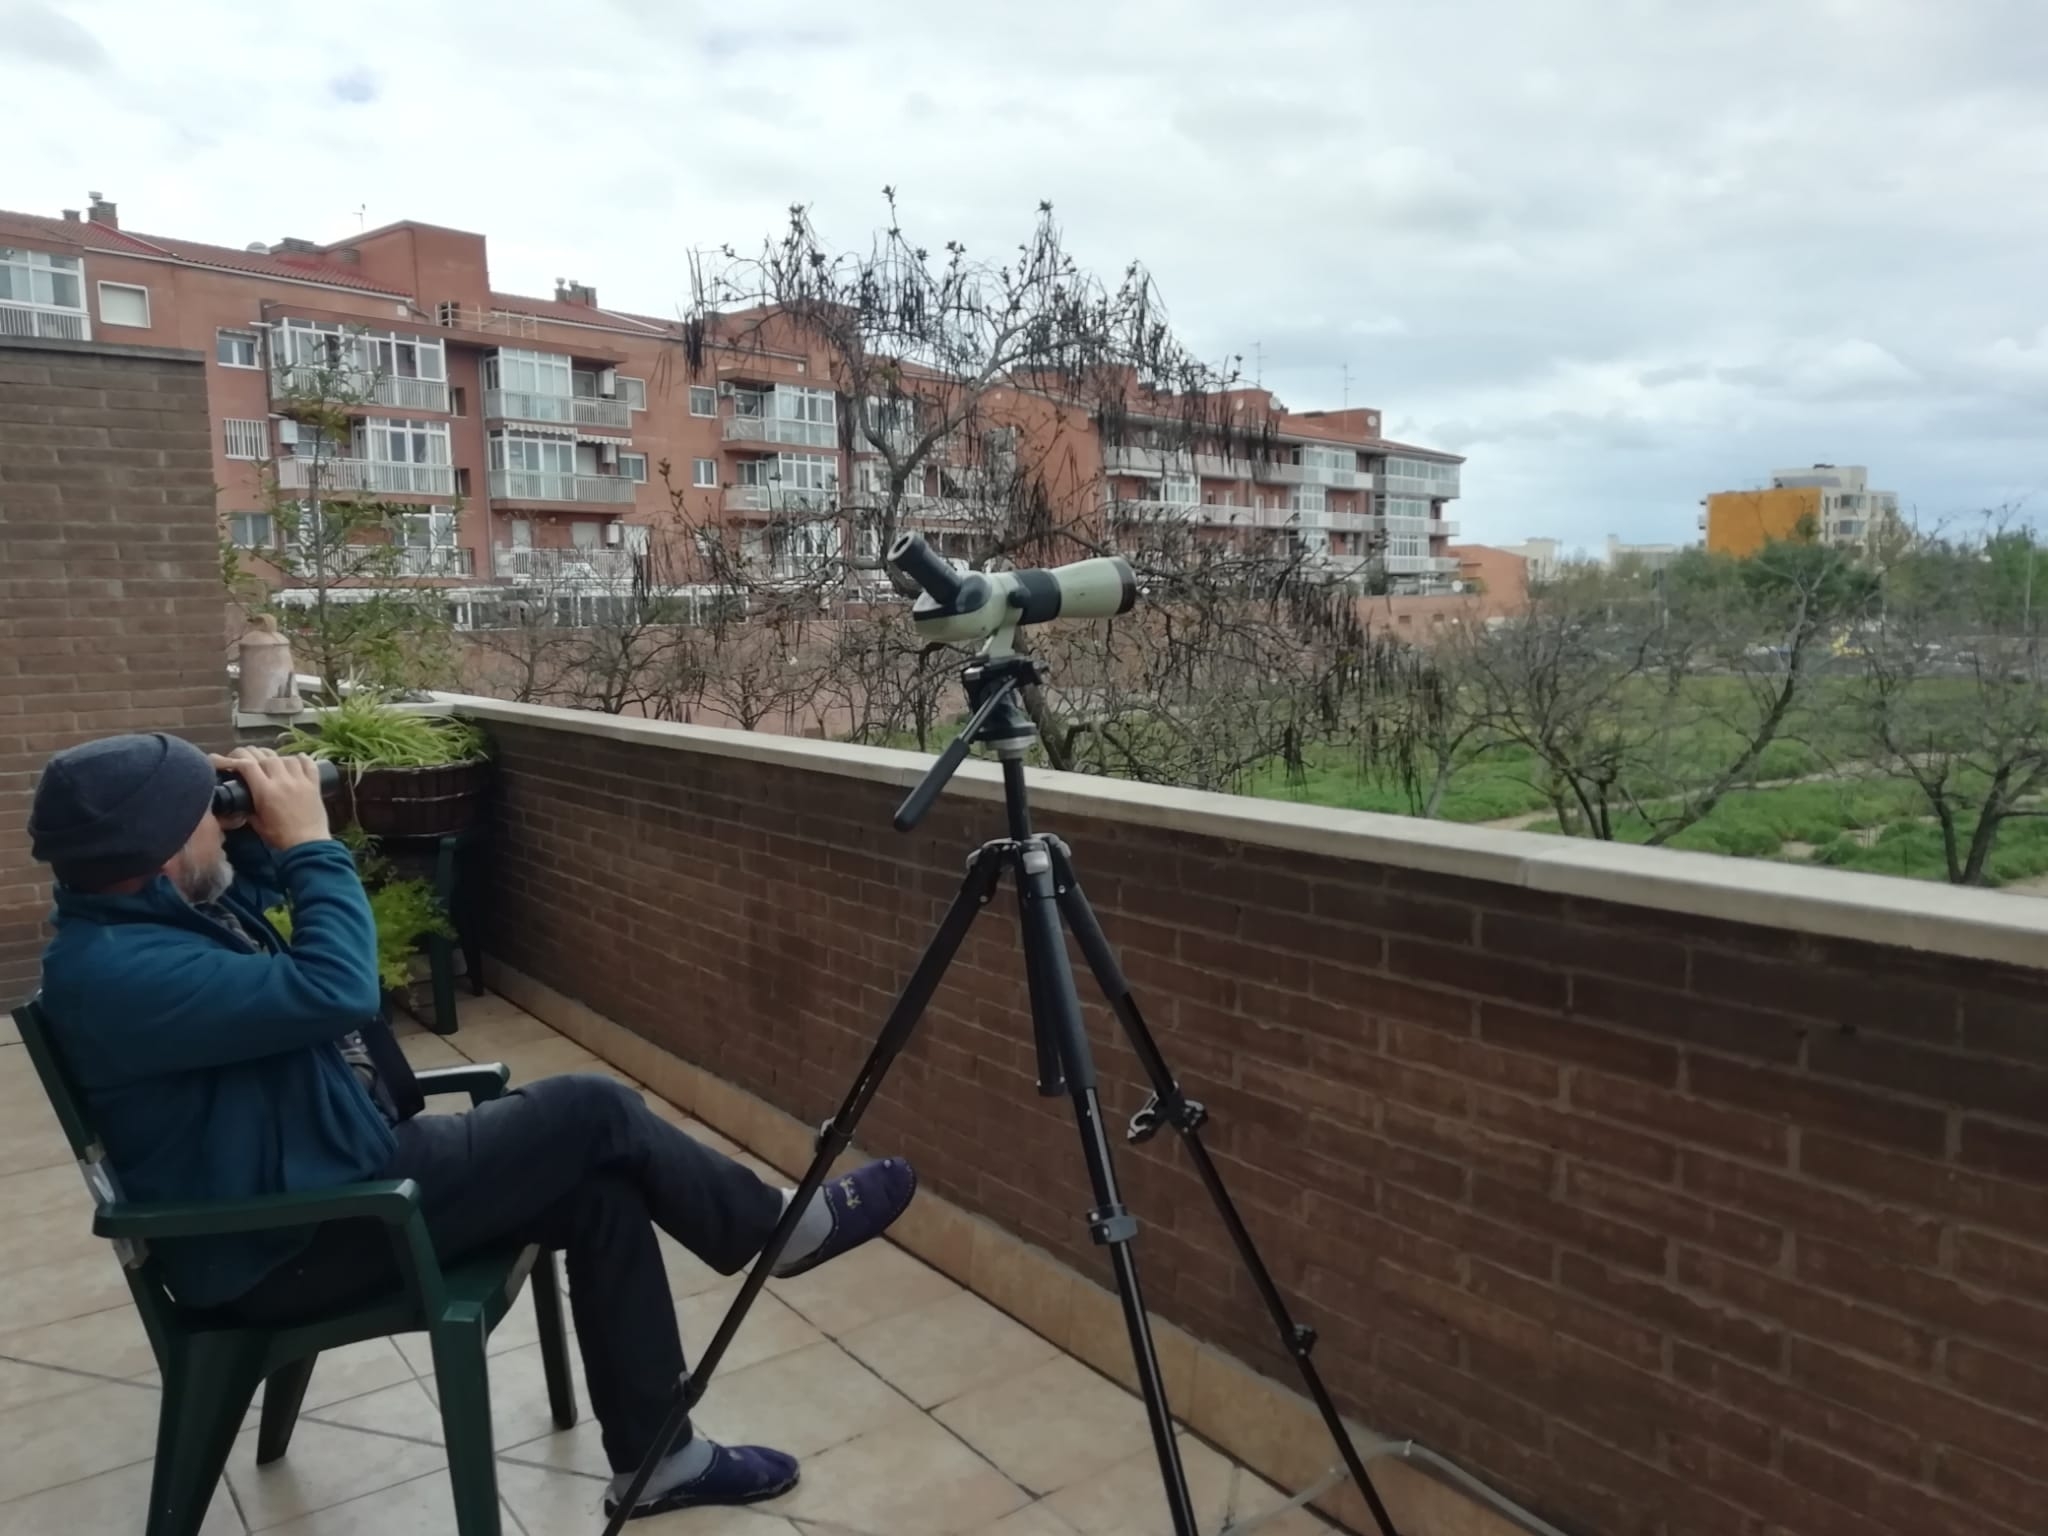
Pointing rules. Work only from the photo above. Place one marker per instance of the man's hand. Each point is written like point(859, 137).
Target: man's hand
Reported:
point(284, 796)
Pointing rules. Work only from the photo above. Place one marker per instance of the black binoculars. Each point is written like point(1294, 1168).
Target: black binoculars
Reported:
point(231, 791)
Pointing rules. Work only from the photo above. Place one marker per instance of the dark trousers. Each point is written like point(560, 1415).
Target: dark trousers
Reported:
point(576, 1163)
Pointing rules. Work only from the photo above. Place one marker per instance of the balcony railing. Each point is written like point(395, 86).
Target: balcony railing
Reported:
point(1154, 461)
point(539, 485)
point(360, 386)
point(1312, 474)
point(1415, 485)
point(1442, 528)
point(582, 410)
point(778, 429)
point(1422, 565)
point(424, 560)
point(608, 566)
point(39, 322)
point(366, 475)
point(775, 498)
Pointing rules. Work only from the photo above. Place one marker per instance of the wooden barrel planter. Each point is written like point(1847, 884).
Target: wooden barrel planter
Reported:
point(417, 802)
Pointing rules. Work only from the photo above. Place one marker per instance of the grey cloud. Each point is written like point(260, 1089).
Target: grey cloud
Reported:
point(33, 31)
point(356, 87)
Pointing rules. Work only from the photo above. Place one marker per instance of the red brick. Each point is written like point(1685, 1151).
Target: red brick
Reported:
point(1571, 1225)
point(1579, 947)
point(1578, 1136)
point(1680, 1118)
point(2006, 1266)
point(2006, 1149)
point(1914, 1404)
point(1667, 1211)
point(1391, 912)
point(2021, 1502)
point(1465, 970)
point(1949, 1077)
point(1766, 1397)
point(1862, 1223)
point(1997, 1378)
point(1815, 1311)
point(1470, 1058)
point(1654, 1301)
point(1709, 1022)
point(1806, 1101)
point(1899, 1504)
point(1940, 1301)
point(1936, 1187)
point(1574, 1040)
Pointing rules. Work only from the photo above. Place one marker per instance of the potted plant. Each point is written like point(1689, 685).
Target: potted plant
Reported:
point(405, 774)
point(406, 914)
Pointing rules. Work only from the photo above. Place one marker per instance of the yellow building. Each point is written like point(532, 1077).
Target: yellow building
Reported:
point(1740, 523)
point(1828, 503)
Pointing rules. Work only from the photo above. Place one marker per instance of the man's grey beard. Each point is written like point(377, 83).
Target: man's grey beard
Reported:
point(208, 885)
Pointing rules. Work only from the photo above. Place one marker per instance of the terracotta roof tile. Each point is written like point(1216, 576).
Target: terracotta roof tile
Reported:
point(125, 242)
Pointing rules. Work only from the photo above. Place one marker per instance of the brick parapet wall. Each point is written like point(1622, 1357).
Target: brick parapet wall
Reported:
point(110, 590)
point(1662, 1224)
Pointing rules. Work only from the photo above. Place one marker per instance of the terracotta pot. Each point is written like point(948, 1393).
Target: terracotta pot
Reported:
point(417, 802)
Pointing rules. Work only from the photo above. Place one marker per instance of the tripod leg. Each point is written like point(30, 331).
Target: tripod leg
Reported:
point(1170, 1106)
point(1056, 1017)
point(976, 887)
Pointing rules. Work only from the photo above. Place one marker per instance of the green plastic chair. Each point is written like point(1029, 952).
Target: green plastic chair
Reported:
point(211, 1370)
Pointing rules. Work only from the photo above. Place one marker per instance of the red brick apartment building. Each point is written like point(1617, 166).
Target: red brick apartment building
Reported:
point(530, 432)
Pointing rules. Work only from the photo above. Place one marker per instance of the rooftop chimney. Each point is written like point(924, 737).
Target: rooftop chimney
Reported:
point(70, 215)
point(293, 244)
point(573, 292)
point(100, 211)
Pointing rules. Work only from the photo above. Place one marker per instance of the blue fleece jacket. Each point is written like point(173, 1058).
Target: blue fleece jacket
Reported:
point(212, 1072)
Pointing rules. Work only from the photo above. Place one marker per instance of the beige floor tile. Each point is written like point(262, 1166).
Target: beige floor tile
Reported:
point(49, 1293)
point(769, 1329)
point(108, 1343)
point(61, 1439)
point(50, 1236)
point(950, 1347)
point(406, 1410)
point(519, 1328)
point(907, 1479)
point(110, 1504)
point(31, 1140)
point(33, 1383)
point(1051, 1427)
point(426, 1052)
point(10, 1032)
point(551, 1058)
point(568, 1451)
point(344, 1373)
point(1129, 1498)
point(423, 1506)
point(687, 1274)
point(802, 1403)
point(325, 1467)
point(549, 1502)
point(42, 1189)
point(1032, 1520)
point(860, 1287)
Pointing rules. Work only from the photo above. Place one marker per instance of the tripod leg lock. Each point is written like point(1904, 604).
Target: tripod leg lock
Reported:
point(1112, 1224)
point(1302, 1340)
point(1184, 1114)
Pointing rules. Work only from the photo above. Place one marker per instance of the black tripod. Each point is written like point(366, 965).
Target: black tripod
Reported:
point(1047, 893)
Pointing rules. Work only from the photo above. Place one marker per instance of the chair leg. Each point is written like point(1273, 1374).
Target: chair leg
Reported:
point(282, 1394)
point(209, 1380)
point(554, 1343)
point(461, 1376)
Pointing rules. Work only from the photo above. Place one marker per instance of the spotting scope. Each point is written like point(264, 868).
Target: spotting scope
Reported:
point(960, 607)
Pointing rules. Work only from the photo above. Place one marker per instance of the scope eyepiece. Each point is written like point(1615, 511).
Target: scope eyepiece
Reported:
point(925, 566)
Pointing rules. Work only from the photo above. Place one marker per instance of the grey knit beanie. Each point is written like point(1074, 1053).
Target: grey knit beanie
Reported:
point(114, 809)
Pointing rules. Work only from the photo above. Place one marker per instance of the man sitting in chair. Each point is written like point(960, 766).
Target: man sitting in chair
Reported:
point(223, 1063)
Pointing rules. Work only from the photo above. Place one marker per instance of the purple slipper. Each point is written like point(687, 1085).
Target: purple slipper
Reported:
point(863, 1204)
point(738, 1474)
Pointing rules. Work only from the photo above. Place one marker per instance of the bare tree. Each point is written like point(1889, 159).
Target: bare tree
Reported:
point(1954, 687)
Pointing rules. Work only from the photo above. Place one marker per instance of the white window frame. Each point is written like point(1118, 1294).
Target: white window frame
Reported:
point(707, 395)
point(399, 440)
point(224, 334)
point(633, 466)
point(243, 438)
point(584, 534)
point(518, 371)
point(704, 474)
point(807, 471)
point(633, 391)
point(49, 264)
point(383, 352)
point(132, 325)
point(793, 403)
point(534, 453)
point(250, 522)
point(433, 528)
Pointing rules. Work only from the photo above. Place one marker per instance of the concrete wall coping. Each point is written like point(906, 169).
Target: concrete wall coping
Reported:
point(1836, 904)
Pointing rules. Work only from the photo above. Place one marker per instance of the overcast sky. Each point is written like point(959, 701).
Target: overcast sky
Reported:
point(1618, 252)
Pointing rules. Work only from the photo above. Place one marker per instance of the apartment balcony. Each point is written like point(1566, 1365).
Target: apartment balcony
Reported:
point(524, 487)
point(1423, 565)
point(768, 500)
point(575, 410)
point(599, 566)
point(1441, 528)
point(359, 387)
point(1160, 511)
point(366, 475)
point(1312, 474)
point(1445, 489)
point(42, 322)
point(781, 431)
point(1153, 462)
point(442, 561)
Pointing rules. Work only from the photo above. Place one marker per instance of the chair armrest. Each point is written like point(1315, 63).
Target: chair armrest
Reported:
point(392, 1203)
point(484, 1081)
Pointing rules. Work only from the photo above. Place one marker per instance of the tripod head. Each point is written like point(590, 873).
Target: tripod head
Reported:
point(999, 720)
